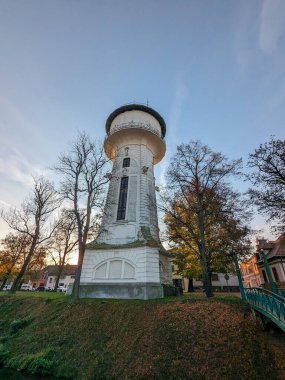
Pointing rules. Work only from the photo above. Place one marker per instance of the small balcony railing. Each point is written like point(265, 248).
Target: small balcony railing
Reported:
point(134, 125)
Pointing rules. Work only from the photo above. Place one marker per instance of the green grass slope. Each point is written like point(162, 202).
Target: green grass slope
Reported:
point(168, 339)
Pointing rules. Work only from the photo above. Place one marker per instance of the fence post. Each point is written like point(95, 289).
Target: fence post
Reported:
point(242, 292)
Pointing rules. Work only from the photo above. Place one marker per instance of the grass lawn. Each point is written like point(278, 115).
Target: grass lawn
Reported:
point(187, 337)
point(26, 294)
point(233, 298)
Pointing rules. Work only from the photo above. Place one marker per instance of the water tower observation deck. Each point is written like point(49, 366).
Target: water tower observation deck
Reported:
point(135, 124)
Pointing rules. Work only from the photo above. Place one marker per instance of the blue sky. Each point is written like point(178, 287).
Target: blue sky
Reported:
point(213, 69)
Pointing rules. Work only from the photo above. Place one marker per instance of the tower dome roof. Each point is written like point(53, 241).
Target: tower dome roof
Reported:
point(136, 107)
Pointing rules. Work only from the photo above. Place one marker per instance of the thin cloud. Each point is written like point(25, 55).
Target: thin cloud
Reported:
point(246, 32)
point(272, 25)
point(17, 168)
point(5, 204)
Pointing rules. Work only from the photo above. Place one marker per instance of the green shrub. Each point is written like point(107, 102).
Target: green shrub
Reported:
point(100, 369)
point(3, 353)
point(170, 290)
point(4, 338)
point(19, 362)
point(17, 325)
point(39, 363)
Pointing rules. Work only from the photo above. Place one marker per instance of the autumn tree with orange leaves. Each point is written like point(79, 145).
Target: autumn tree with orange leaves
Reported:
point(13, 253)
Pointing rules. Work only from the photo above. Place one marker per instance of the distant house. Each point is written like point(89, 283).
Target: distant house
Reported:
point(67, 277)
point(250, 273)
point(220, 282)
point(275, 254)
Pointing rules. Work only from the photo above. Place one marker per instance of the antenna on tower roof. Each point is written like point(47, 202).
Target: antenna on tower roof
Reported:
point(147, 102)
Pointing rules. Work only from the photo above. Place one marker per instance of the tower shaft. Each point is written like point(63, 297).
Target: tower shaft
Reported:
point(127, 259)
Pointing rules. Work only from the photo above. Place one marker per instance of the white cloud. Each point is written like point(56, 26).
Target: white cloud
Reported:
point(272, 24)
point(15, 166)
point(4, 204)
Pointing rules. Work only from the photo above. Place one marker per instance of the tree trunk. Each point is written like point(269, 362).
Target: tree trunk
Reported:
point(18, 279)
point(4, 281)
point(75, 291)
point(205, 276)
point(203, 258)
point(60, 269)
point(190, 285)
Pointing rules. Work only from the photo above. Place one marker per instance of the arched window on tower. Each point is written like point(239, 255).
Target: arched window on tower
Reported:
point(122, 205)
point(126, 162)
point(114, 270)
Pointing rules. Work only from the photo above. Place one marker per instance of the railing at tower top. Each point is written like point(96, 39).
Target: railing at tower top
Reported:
point(135, 125)
point(270, 304)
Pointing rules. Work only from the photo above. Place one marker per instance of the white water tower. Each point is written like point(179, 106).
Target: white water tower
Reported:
point(127, 259)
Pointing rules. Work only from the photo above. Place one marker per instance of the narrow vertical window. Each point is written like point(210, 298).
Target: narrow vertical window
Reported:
point(126, 162)
point(264, 276)
point(276, 277)
point(123, 198)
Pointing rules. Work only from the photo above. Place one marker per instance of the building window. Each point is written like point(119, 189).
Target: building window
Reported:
point(101, 271)
point(50, 279)
point(123, 199)
point(264, 276)
point(126, 162)
point(275, 274)
point(115, 270)
point(215, 277)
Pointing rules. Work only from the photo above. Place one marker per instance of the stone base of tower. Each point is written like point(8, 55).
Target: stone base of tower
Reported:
point(121, 291)
point(126, 273)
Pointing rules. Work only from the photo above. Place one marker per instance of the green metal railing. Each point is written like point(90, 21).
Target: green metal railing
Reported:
point(270, 304)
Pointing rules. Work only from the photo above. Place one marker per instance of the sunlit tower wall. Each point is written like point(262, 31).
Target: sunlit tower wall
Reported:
point(127, 259)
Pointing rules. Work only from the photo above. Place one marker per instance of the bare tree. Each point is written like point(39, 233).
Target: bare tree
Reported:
point(63, 242)
point(83, 183)
point(38, 261)
point(199, 202)
point(268, 180)
point(31, 220)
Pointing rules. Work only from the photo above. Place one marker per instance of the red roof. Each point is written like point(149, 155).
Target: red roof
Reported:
point(274, 248)
point(68, 270)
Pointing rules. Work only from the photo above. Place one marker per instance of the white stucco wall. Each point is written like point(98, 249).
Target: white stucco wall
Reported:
point(233, 281)
point(136, 117)
point(66, 281)
point(144, 259)
point(144, 148)
point(141, 198)
point(280, 271)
